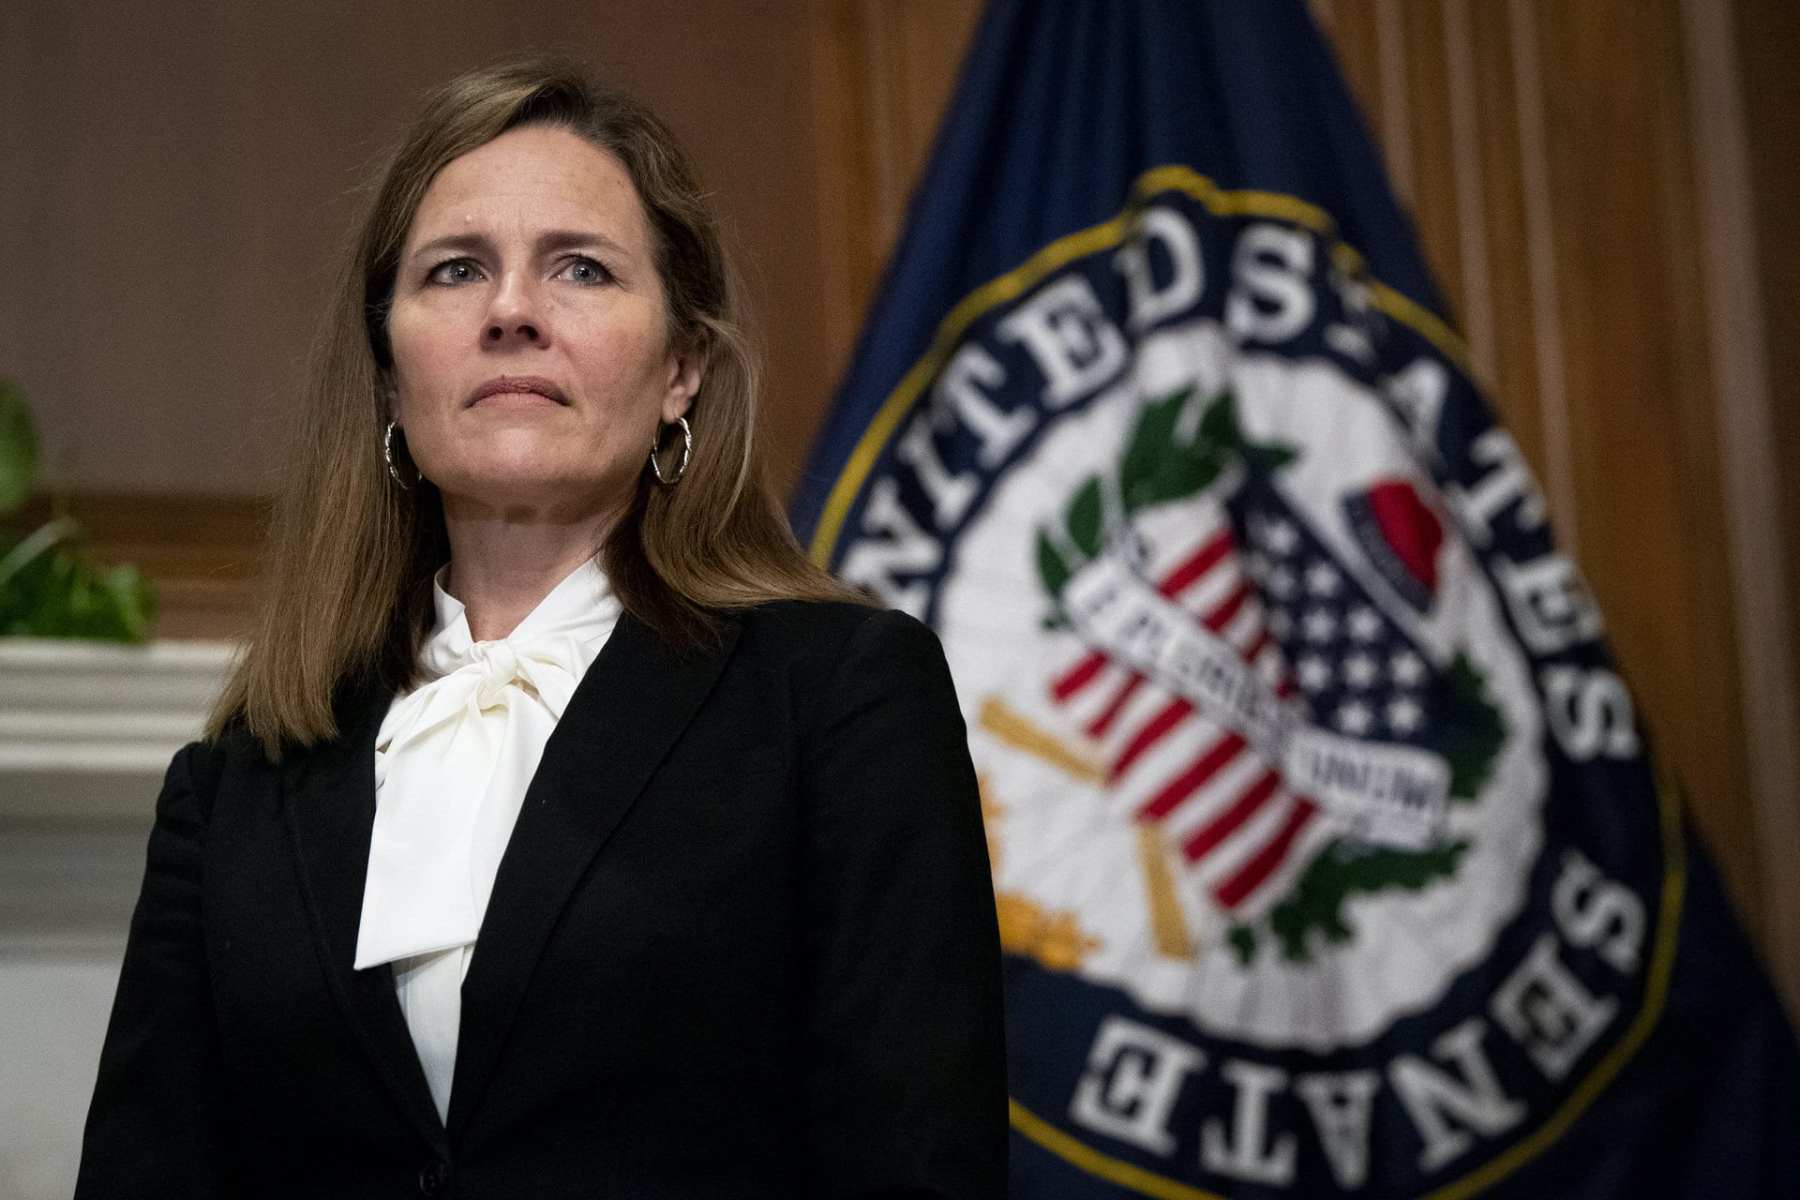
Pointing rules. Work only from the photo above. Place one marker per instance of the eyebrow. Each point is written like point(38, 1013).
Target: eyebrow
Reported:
point(547, 242)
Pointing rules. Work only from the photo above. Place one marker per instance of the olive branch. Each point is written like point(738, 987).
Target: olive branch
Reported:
point(1162, 462)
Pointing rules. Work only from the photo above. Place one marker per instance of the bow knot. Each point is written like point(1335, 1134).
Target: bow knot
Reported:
point(499, 665)
point(482, 676)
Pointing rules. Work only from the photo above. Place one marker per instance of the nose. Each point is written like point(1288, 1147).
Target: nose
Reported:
point(513, 316)
point(501, 330)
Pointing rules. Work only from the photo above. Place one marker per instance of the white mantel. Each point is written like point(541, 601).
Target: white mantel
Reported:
point(86, 731)
point(87, 728)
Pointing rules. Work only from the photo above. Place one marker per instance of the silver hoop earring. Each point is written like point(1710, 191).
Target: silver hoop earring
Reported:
point(687, 449)
point(387, 452)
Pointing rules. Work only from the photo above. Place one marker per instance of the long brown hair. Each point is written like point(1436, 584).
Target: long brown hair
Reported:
point(346, 587)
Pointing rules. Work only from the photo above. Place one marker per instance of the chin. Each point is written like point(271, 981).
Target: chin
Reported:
point(529, 485)
point(518, 461)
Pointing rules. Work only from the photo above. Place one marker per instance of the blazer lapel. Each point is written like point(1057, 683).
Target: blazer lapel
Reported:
point(329, 797)
point(626, 713)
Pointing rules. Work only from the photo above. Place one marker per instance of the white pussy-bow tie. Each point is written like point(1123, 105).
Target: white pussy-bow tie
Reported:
point(453, 761)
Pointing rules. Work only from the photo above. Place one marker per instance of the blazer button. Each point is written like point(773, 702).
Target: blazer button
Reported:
point(434, 1178)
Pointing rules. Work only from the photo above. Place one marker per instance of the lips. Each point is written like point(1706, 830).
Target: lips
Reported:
point(503, 384)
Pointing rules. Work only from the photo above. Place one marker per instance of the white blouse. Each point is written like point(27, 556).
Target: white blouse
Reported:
point(452, 762)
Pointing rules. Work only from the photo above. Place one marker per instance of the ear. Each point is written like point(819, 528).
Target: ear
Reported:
point(683, 384)
point(390, 396)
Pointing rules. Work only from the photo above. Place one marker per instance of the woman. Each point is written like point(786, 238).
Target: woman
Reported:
point(562, 830)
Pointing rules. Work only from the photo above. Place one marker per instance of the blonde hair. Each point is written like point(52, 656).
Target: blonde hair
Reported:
point(346, 581)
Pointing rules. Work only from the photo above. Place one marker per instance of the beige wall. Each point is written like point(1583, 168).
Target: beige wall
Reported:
point(177, 179)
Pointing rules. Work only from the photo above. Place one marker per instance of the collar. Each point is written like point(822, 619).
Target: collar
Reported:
point(582, 606)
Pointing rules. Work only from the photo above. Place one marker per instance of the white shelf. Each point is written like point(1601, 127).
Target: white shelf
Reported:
point(88, 728)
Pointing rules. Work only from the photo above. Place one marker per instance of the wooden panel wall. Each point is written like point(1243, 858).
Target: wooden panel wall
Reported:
point(1545, 149)
point(1766, 34)
point(883, 74)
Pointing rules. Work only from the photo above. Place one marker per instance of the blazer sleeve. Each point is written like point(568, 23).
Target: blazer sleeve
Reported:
point(156, 1124)
point(906, 1077)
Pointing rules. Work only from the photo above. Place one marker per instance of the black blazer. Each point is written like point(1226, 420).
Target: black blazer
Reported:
point(742, 943)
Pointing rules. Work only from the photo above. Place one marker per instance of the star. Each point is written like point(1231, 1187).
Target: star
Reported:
point(1320, 625)
point(1314, 673)
point(1407, 669)
point(1365, 623)
point(1282, 581)
point(1257, 566)
point(1360, 671)
point(1354, 717)
point(1322, 579)
point(1404, 714)
point(1280, 537)
point(1280, 623)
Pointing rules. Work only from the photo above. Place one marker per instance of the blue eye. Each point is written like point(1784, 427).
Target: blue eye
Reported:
point(453, 271)
point(587, 271)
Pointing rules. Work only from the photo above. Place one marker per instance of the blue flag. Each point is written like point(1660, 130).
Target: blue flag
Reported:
point(1329, 856)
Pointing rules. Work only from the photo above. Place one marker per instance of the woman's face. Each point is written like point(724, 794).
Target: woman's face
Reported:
point(530, 263)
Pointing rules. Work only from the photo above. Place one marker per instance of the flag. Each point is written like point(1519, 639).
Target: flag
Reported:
point(1329, 855)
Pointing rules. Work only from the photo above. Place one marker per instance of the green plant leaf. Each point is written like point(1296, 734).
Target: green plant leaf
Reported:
point(1157, 467)
point(58, 592)
point(1263, 458)
point(1164, 468)
point(131, 603)
point(18, 448)
point(1219, 424)
point(1151, 440)
point(1314, 909)
point(1087, 517)
point(1473, 730)
point(1051, 567)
